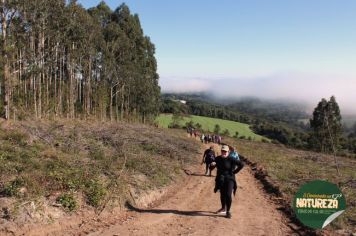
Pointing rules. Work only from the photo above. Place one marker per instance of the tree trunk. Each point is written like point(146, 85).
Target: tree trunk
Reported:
point(6, 72)
point(117, 104)
point(111, 98)
point(55, 80)
point(122, 101)
point(6, 90)
point(35, 96)
point(88, 91)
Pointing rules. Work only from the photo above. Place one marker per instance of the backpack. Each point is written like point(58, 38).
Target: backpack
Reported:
point(210, 157)
point(234, 155)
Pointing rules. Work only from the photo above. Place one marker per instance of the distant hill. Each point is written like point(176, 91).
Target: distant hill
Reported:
point(277, 120)
point(349, 120)
point(271, 110)
point(248, 110)
point(250, 107)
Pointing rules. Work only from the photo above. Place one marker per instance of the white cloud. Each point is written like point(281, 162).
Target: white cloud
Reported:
point(309, 88)
point(184, 85)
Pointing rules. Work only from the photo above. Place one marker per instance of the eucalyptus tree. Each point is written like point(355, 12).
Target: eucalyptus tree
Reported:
point(149, 96)
point(8, 13)
point(326, 125)
point(60, 59)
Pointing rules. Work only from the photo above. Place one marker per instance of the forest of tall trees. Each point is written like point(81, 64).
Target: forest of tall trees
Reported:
point(60, 60)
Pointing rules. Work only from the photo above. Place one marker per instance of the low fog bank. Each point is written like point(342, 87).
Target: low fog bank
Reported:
point(287, 87)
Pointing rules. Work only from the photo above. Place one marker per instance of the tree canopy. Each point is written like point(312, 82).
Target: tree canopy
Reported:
point(326, 125)
point(59, 59)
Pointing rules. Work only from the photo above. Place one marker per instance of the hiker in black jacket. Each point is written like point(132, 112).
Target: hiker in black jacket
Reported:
point(208, 158)
point(225, 180)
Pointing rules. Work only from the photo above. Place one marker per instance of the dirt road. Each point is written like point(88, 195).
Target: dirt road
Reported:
point(189, 210)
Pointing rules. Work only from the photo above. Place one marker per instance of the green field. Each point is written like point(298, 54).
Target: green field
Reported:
point(208, 125)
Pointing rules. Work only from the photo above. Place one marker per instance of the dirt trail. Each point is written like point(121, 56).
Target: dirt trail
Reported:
point(189, 210)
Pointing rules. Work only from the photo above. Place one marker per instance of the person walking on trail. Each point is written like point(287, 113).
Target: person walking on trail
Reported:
point(206, 139)
point(208, 158)
point(219, 139)
point(202, 137)
point(233, 153)
point(225, 180)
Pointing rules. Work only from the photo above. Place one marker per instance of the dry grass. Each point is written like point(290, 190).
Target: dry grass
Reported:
point(290, 168)
point(100, 161)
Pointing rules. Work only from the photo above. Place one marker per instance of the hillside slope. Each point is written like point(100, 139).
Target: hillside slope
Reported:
point(286, 170)
point(102, 167)
point(49, 168)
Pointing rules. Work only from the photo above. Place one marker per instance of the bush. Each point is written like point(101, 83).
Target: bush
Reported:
point(176, 120)
point(264, 141)
point(95, 193)
point(67, 201)
point(15, 137)
point(12, 189)
point(226, 132)
point(189, 124)
point(217, 129)
point(96, 152)
point(149, 147)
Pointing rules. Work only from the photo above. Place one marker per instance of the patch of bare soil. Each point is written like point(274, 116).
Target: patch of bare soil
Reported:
point(187, 208)
point(190, 210)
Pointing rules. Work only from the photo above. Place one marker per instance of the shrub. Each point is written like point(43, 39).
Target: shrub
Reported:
point(15, 137)
point(12, 189)
point(217, 129)
point(198, 126)
point(67, 201)
point(226, 132)
point(265, 141)
point(95, 193)
point(150, 147)
point(275, 141)
point(96, 152)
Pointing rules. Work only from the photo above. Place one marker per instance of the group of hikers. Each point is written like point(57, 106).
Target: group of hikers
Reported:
point(210, 138)
point(192, 131)
point(204, 138)
point(228, 164)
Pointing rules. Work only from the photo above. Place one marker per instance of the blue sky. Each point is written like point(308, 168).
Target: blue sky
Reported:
point(272, 49)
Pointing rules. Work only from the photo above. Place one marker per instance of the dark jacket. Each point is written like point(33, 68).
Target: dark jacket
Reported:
point(209, 156)
point(226, 170)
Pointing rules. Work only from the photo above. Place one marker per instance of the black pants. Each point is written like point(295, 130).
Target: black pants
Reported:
point(226, 195)
point(207, 169)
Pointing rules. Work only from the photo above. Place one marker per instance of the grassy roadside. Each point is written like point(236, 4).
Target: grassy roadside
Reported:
point(290, 169)
point(78, 164)
point(208, 124)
